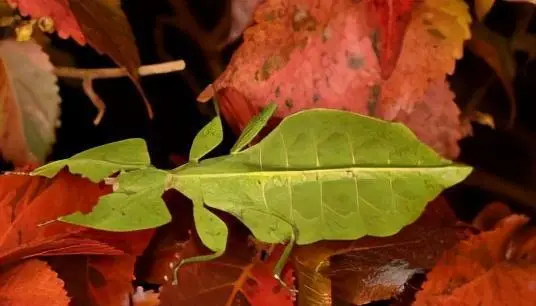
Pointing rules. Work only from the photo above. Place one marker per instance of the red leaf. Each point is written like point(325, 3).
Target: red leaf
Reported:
point(27, 201)
point(96, 280)
point(58, 10)
point(31, 282)
point(390, 19)
point(497, 267)
point(304, 54)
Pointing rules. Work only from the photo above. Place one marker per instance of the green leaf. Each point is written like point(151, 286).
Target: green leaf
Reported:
point(254, 127)
point(210, 136)
point(101, 162)
point(136, 205)
point(331, 175)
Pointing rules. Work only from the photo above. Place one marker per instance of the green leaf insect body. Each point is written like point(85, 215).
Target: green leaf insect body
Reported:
point(321, 174)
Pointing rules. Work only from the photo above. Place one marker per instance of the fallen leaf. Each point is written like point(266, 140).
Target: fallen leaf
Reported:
point(371, 268)
point(389, 19)
point(306, 54)
point(484, 270)
point(96, 280)
point(31, 282)
point(29, 108)
point(239, 277)
point(28, 203)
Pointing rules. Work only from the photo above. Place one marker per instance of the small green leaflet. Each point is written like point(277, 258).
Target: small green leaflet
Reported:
point(210, 136)
point(101, 162)
point(254, 127)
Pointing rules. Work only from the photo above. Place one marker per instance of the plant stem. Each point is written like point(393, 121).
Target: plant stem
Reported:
point(88, 75)
point(108, 73)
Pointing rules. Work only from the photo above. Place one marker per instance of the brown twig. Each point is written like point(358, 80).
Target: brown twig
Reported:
point(108, 73)
point(88, 75)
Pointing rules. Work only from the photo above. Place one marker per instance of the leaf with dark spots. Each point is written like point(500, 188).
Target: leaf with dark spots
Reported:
point(330, 62)
point(371, 268)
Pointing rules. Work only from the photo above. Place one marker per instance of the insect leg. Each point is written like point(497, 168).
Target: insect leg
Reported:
point(213, 233)
point(194, 259)
point(283, 261)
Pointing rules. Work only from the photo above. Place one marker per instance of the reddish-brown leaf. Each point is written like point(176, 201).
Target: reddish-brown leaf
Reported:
point(389, 18)
point(497, 267)
point(96, 280)
point(31, 282)
point(108, 31)
point(304, 54)
point(26, 202)
point(372, 268)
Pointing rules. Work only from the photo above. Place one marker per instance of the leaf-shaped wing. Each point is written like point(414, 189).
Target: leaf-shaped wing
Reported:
point(330, 174)
point(101, 162)
point(254, 127)
point(210, 136)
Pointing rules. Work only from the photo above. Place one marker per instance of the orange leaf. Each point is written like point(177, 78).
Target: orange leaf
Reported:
point(31, 282)
point(497, 267)
point(96, 280)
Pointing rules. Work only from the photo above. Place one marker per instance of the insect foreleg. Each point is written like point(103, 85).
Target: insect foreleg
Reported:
point(190, 260)
point(283, 261)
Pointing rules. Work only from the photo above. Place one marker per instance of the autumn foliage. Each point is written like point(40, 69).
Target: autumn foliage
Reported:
point(395, 60)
